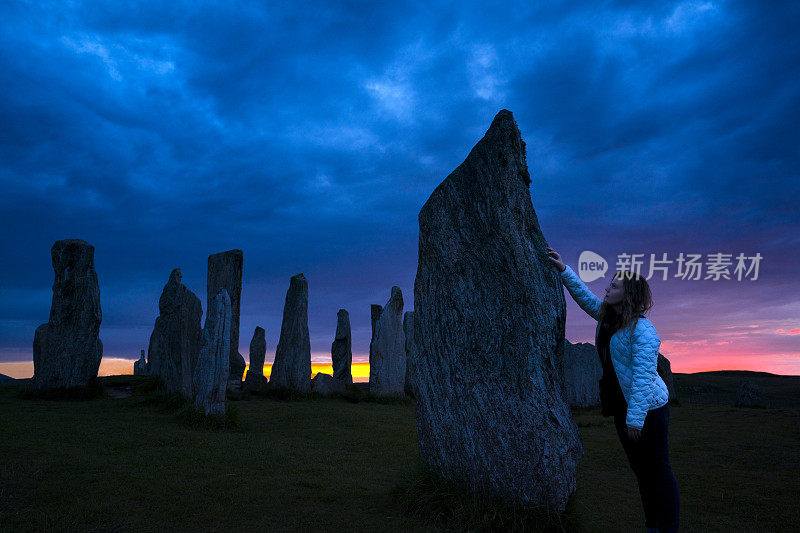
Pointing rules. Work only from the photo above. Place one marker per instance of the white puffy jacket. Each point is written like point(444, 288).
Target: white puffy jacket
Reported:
point(634, 354)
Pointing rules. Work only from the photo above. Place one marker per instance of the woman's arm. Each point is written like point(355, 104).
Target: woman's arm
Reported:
point(577, 288)
point(644, 359)
point(581, 293)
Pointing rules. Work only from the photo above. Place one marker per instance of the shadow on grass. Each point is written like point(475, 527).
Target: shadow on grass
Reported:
point(428, 497)
point(352, 394)
point(93, 390)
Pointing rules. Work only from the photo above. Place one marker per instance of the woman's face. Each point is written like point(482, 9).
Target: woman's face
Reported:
point(615, 293)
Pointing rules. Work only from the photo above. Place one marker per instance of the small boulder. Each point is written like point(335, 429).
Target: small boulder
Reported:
point(140, 367)
point(327, 384)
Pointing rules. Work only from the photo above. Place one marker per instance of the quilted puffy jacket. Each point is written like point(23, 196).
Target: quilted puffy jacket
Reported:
point(634, 354)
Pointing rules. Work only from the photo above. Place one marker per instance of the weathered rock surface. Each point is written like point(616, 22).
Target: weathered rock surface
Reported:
point(225, 271)
point(664, 369)
point(375, 314)
point(387, 351)
point(408, 331)
point(748, 394)
point(176, 338)
point(292, 366)
point(211, 372)
point(342, 348)
point(140, 367)
point(67, 349)
point(489, 317)
point(255, 379)
point(582, 371)
point(327, 384)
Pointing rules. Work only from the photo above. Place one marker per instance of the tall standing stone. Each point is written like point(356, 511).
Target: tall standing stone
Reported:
point(67, 349)
point(176, 337)
point(258, 350)
point(211, 373)
point(375, 311)
point(225, 271)
point(489, 316)
point(342, 348)
point(387, 351)
point(408, 331)
point(292, 366)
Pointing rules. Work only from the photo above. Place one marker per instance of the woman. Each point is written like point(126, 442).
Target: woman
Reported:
point(631, 388)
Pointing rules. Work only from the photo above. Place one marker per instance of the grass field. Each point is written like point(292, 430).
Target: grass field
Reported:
point(326, 464)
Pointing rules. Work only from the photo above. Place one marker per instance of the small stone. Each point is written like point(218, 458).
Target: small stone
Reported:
point(255, 379)
point(327, 384)
point(140, 367)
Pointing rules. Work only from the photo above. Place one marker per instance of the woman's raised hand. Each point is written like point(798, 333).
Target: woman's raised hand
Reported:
point(553, 256)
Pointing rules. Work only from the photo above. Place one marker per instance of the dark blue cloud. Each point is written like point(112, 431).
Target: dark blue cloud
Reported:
point(310, 135)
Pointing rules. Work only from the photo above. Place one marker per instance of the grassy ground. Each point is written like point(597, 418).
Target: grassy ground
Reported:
point(326, 464)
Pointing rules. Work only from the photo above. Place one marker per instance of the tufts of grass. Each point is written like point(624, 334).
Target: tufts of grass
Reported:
point(428, 497)
point(93, 390)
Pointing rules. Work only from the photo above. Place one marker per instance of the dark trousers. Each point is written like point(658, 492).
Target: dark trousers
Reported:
point(649, 458)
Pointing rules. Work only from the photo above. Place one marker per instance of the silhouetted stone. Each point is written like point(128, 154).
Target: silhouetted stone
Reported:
point(213, 365)
point(67, 349)
point(489, 315)
point(387, 351)
point(375, 311)
point(255, 379)
point(582, 372)
point(748, 395)
point(140, 367)
point(175, 341)
point(292, 366)
point(327, 384)
point(342, 348)
point(408, 331)
point(225, 271)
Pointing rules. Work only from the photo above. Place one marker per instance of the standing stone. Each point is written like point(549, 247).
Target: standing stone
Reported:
point(255, 379)
point(342, 348)
point(375, 314)
point(387, 351)
point(664, 369)
point(748, 394)
point(292, 366)
point(141, 367)
point(225, 271)
point(67, 349)
point(213, 365)
point(582, 372)
point(175, 341)
point(408, 331)
point(489, 332)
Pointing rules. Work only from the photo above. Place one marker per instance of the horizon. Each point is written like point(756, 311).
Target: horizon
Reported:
point(171, 132)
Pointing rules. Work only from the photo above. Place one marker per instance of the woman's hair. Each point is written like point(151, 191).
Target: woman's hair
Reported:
point(637, 300)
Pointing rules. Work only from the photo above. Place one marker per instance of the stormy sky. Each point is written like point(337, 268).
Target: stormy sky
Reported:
point(309, 135)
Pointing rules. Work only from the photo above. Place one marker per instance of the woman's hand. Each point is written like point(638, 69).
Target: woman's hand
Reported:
point(634, 434)
point(553, 256)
